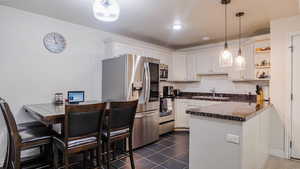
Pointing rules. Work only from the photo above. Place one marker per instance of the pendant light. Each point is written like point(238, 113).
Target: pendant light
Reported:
point(106, 10)
point(240, 61)
point(225, 59)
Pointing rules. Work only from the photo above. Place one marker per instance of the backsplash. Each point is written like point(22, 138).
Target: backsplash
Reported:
point(220, 86)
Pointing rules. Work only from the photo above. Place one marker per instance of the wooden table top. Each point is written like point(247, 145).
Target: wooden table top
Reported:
point(50, 113)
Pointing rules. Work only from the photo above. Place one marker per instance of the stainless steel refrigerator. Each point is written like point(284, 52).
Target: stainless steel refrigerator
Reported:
point(132, 77)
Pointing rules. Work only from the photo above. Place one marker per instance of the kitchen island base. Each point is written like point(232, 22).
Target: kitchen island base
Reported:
point(229, 144)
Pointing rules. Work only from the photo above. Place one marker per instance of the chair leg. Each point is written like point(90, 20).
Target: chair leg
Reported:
point(66, 160)
point(92, 156)
point(131, 153)
point(114, 145)
point(103, 152)
point(98, 151)
point(108, 154)
point(85, 154)
point(17, 159)
point(6, 162)
point(49, 155)
point(55, 157)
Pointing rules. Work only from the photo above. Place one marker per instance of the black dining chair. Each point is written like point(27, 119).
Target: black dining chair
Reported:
point(119, 127)
point(5, 141)
point(82, 127)
point(20, 140)
point(29, 125)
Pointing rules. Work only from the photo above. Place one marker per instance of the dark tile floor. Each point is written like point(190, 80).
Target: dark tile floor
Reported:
point(170, 152)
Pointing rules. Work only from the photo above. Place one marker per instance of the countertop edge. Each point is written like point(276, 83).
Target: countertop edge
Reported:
point(229, 117)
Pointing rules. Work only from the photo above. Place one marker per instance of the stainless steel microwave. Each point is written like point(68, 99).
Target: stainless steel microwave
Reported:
point(164, 72)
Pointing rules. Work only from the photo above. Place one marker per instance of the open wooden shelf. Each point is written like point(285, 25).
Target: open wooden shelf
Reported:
point(262, 67)
point(264, 82)
point(266, 51)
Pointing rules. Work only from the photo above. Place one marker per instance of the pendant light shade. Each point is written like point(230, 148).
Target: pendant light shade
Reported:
point(106, 10)
point(225, 58)
point(240, 61)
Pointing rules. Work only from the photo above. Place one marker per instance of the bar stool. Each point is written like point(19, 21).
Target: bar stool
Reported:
point(83, 125)
point(119, 126)
point(20, 140)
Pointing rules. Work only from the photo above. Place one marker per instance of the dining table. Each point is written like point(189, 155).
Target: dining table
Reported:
point(50, 113)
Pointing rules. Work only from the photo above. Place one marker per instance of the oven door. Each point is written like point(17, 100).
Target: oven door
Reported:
point(164, 119)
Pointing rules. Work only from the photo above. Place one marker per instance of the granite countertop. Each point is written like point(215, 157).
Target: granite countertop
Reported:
point(209, 98)
point(235, 111)
point(222, 97)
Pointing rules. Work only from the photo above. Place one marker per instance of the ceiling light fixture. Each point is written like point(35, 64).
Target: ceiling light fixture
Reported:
point(106, 10)
point(240, 60)
point(225, 59)
point(177, 26)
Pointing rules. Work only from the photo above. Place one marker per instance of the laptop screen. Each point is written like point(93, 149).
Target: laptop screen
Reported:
point(76, 96)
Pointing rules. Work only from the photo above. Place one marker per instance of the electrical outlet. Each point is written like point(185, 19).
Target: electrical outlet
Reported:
point(231, 138)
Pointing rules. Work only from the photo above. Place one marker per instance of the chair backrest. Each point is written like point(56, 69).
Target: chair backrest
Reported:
point(121, 115)
point(12, 136)
point(83, 121)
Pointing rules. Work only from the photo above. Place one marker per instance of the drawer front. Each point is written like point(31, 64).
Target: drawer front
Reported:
point(166, 127)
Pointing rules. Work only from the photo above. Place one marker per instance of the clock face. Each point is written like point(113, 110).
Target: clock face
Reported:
point(55, 42)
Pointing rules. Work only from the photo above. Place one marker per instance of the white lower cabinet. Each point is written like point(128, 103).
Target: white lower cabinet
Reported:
point(180, 115)
point(182, 119)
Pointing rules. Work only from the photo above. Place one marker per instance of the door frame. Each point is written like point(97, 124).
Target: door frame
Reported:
point(289, 128)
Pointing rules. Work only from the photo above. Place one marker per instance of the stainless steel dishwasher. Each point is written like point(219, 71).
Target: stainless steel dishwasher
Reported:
point(146, 128)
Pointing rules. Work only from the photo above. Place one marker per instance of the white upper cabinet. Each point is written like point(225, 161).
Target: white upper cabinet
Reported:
point(184, 67)
point(248, 51)
point(191, 67)
point(204, 61)
point(207, 60)
point(179, 67)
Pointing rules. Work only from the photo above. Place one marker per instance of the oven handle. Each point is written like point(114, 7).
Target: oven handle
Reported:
point(139, 116)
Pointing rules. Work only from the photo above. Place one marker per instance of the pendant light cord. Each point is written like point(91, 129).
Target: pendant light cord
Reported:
point(226, 25)
point(240, 34)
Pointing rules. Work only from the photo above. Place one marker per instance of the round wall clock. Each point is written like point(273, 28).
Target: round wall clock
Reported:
point(55, 42)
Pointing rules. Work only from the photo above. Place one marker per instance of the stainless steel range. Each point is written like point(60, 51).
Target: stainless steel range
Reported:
point(131, 77)
point(167, 117)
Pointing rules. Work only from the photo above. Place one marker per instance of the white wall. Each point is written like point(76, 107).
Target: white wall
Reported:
point(30, 74)
point(281, 77)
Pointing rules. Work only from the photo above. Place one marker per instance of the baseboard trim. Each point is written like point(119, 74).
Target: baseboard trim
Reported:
point(278, 153)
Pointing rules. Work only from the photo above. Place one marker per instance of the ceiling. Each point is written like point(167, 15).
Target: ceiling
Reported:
point(151, 20)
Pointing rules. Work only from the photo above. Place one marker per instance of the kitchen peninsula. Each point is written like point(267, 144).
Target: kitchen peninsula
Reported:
point(230, 135)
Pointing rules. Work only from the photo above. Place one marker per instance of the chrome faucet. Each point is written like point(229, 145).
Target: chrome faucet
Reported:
point(213, 92)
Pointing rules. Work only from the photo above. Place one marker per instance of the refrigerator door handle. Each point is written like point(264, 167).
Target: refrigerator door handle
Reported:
point(148, 82)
